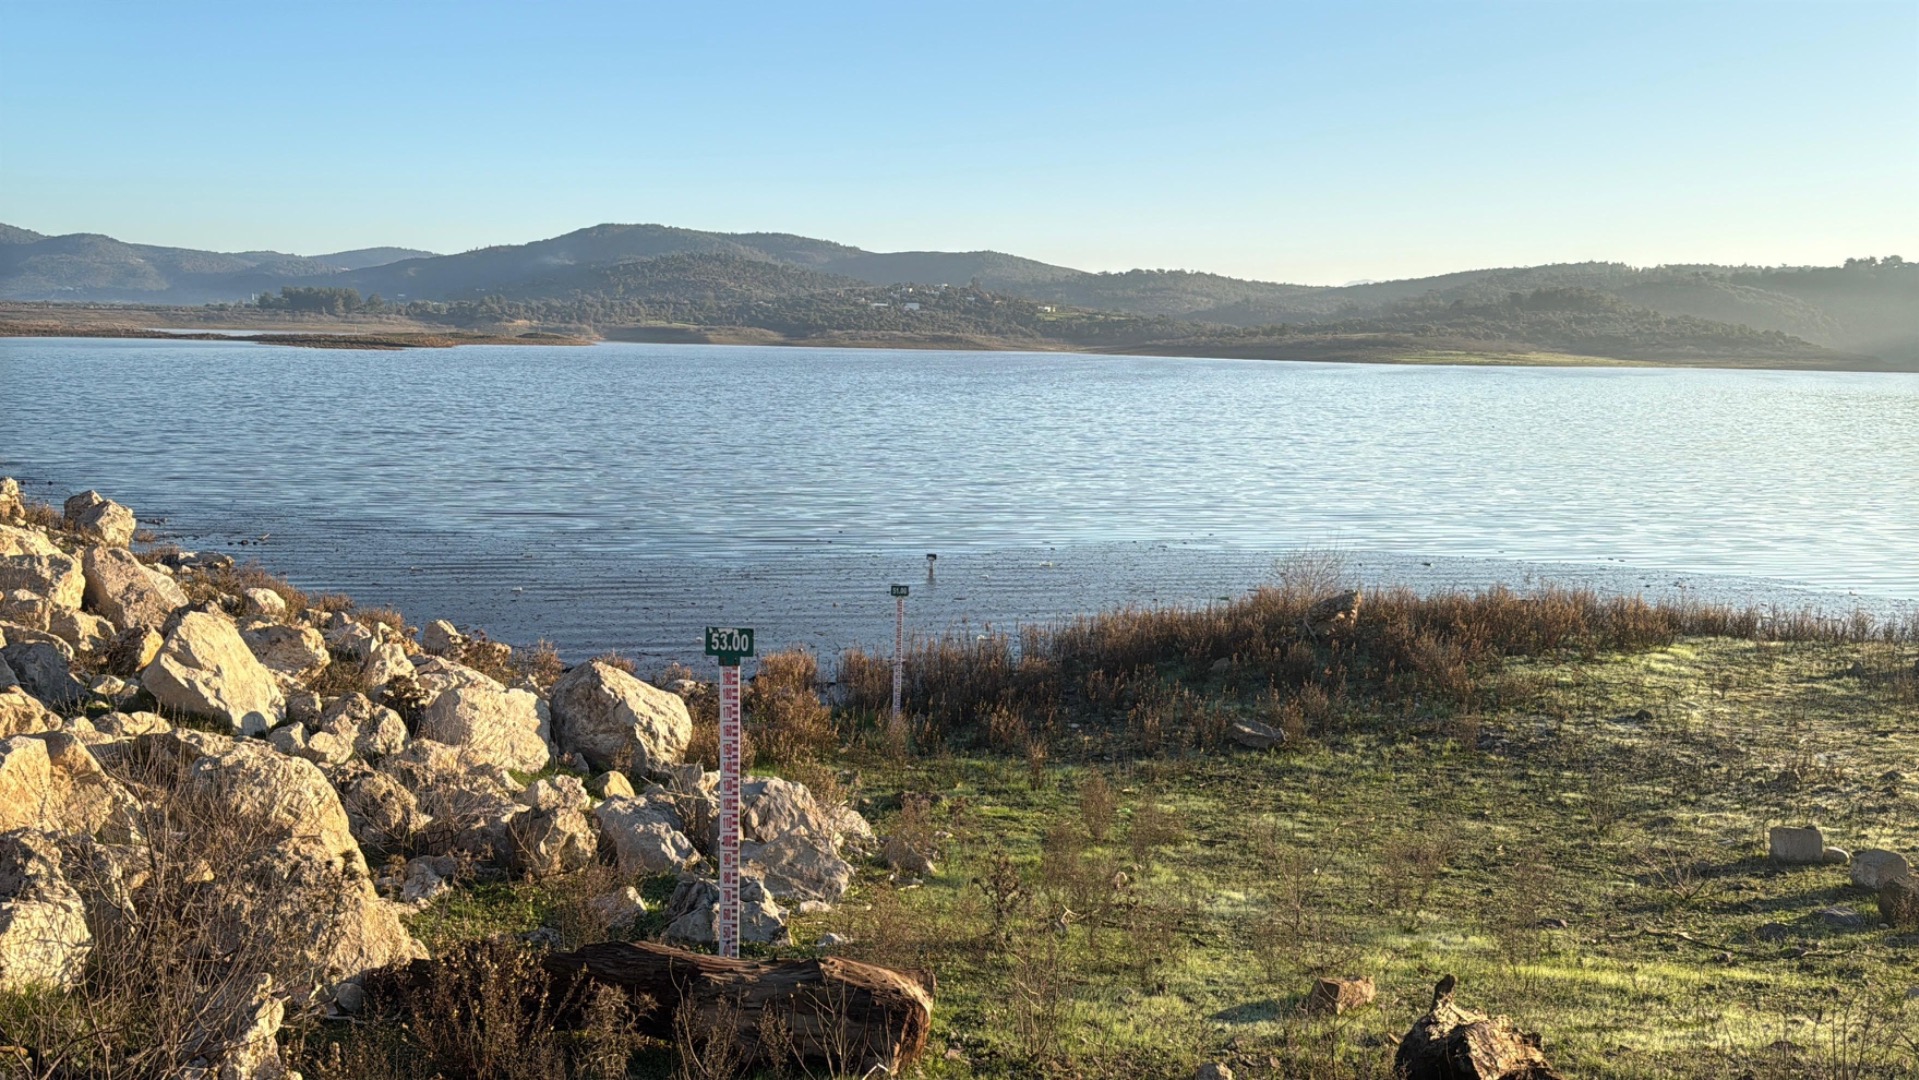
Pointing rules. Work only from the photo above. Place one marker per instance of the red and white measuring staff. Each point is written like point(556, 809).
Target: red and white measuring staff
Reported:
point(729, 644)
point(899, 647)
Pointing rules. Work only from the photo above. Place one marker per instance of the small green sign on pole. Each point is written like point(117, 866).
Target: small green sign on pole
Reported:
point(729, 643)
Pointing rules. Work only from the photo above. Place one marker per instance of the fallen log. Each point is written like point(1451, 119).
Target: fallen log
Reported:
point(829, 1013)
point(1455, 1043)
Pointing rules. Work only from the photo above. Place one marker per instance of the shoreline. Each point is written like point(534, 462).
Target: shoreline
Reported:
point(22, 319)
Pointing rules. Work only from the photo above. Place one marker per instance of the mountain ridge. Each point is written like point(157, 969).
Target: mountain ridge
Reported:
point(1864, 306)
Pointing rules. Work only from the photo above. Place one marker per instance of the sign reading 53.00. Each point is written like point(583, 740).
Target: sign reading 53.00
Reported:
point(729, 641)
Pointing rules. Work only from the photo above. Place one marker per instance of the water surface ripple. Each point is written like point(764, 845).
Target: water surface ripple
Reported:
point(631, 493)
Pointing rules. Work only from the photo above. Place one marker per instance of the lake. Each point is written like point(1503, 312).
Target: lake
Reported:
point(621, 496)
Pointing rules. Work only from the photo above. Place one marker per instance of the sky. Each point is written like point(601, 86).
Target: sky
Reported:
point(1316, 143)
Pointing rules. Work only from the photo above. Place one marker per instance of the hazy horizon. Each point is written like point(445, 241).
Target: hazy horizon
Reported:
point(1378, 142)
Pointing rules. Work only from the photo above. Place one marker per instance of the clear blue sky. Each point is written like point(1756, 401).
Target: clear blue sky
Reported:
point(1302, 142)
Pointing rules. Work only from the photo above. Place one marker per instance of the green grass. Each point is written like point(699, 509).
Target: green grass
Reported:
point(1405, 854)
point(1587, 855)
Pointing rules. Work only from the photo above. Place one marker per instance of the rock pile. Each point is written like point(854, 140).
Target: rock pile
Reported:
point(141, 692)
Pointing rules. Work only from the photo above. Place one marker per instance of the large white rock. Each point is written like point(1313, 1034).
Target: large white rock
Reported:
point(297, 652)
point(497, 725)
point(26, 783)
point(51, 574)
point(799, 866)
point(1797, 846)
point(44, 940)
point(645, 834)
point(41, 668)
point(205, 669)
point(615, 721)
point(298, 883)
point(22, 714)
point(385, 662)
point(121, 588)
point(94, 515)
point(556, 840)
point(1874, 867)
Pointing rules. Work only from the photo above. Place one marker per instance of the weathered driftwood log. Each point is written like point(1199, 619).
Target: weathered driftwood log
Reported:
point(828, 1012)
point(1454, 1043)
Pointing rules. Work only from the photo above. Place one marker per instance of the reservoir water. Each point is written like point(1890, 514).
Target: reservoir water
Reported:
point(621, 496)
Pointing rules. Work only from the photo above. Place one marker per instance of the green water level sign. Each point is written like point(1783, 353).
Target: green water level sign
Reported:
point(729, 643)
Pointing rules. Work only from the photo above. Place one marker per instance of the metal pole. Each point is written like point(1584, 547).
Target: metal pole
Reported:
point(729, 920)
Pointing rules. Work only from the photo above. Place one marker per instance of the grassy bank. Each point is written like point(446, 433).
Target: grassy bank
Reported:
point(1560, 798)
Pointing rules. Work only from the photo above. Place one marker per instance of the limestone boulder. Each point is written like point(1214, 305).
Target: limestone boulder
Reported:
point(205, 669)
point(385, 661)
point(264, 603)
point(694, 913)
point(383, 815)
point(97, 517)
point(45, 571)
point(298, 883)
point(12, 507)
point(494, 724)
point(126, 591)
point(296, 652)
point(131, 650)
point(1873, 867)
point(473, 803)
point(799, 866)
point(645, 834)
point(1791, 846)
point(615, 721)
point(26, 608)
point(41, 669)
point(238, 1036)
point(26, 783)
point(86, 632)
point(441, 638)
point(22, 714)
point(44, 939)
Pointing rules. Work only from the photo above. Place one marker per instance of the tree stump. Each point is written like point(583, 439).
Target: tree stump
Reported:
point(1454, 1043)
point(830, 1013)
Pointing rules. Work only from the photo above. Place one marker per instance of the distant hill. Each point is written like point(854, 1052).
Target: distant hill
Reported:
point(603, 273)
point(92, 267)
point(362, 258)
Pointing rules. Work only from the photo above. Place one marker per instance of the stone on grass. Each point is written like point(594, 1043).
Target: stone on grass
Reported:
point(617, 722)
point(1873, 867)
point(619, 909)
point(1792, 846)
point(1254, 735)
point(1334, 996)
point(1899, 903)
point(205, 669)
point(694, 913)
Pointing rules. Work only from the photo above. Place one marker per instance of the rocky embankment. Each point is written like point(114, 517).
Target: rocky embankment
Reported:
point(282, 783)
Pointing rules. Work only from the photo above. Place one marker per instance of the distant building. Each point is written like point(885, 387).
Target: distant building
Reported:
point(914, 306)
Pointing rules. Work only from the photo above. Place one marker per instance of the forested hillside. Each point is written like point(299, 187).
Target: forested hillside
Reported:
point(611, 276)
